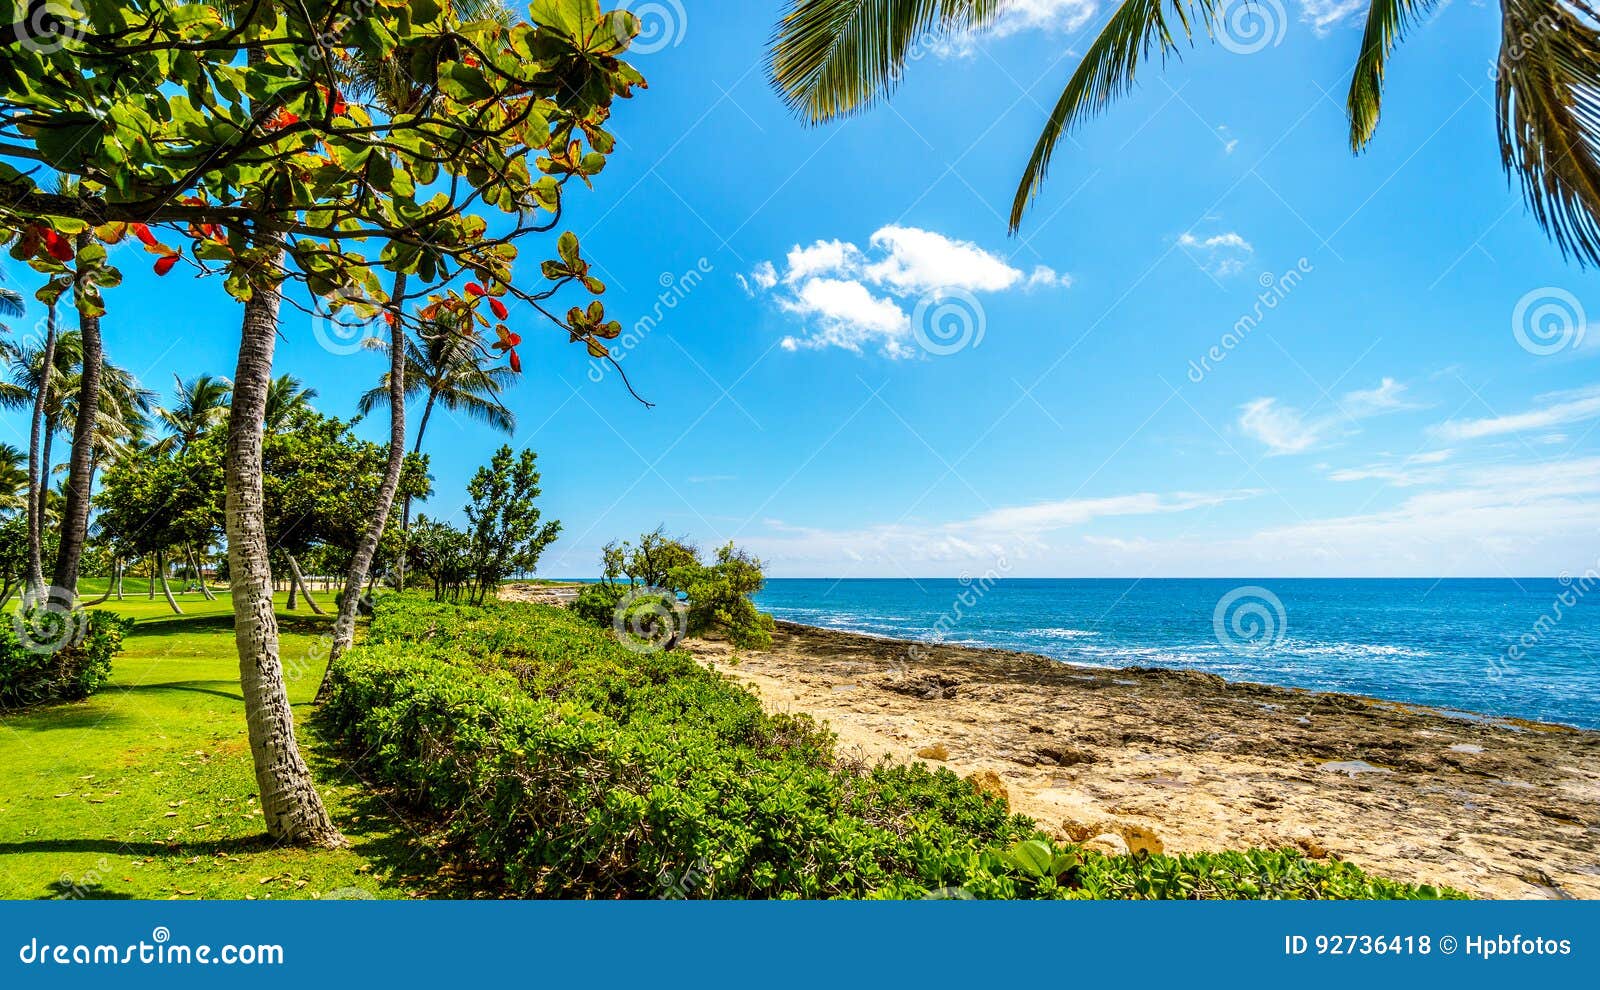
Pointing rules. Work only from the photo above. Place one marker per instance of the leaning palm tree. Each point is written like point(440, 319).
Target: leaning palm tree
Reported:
point(830, 58)
point(201, 404)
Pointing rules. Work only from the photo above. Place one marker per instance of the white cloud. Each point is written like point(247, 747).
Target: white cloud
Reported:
point(1287, 430)
point(1043, 15)
point(1221, 254)
point(1283, 429)
point(1389, 396)
point(1406, 472)
point(1013, 533)
point(918, 261)
point(1016, 17)
point(857, 298)
point(1556, 409)
point(1325, 15)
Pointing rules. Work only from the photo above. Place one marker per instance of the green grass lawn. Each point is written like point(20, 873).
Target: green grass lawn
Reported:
point(146, 789)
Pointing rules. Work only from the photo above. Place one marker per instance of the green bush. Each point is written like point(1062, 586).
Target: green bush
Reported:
point(579, 768)
point(52, 655)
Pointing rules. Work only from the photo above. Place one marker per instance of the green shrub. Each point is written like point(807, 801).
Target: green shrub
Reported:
point(52, 655)
point(579, 768)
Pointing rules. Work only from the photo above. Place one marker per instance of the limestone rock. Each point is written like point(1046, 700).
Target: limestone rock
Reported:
point(989, 782)
point(938, 751)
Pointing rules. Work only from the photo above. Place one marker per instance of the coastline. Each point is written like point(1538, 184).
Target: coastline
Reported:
point(1186, 761)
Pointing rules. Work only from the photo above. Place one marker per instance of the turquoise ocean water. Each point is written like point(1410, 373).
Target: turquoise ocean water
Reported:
point(1526, 648)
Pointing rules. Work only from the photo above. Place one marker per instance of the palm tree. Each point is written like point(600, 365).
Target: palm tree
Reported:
point(830, 58)
point(287, 397)
point(453, 372)
point(202, 404)
point(13, 479)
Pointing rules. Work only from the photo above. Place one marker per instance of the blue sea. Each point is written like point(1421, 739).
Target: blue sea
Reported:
point(1527, 648)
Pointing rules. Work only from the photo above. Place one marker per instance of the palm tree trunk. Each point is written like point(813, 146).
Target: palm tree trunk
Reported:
point(111, 585)
point(405, 504)
point(200, 576)
point(300, 582)
point(119, 580)
point(34, 589)
point(151, 595)
point(289, 801)
point(166, 589)
point(344, 628)
point(75, 512)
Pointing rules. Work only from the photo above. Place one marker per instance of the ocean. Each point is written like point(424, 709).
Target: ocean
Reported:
point(1524, 648)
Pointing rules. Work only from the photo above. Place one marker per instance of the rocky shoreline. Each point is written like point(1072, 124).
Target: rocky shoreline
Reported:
point(1182, 761)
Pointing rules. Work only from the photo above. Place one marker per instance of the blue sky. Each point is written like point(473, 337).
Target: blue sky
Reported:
point(1413, 390)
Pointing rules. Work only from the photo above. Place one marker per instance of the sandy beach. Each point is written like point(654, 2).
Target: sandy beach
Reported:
point(1183, 761)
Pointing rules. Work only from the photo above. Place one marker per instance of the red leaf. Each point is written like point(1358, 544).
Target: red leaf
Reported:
point(499, 308)
point(59, 247)
point(474, 289)
point(143, 233)
point(164, 265)
point(516, 363)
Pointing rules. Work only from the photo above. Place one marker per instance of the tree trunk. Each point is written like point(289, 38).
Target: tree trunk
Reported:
point(111, 584)
point(166, 589)
point(200, 576)
point(119, 580)
point(289, 801)
point(151, 595)
point(344, 628)
point(299, 581)
point(34, 588)
point(294, 595)
point(405, 505)
point(75, 512)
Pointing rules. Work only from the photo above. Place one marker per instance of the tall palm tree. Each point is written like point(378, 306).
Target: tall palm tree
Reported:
point(201, 404)
point(286, 398)
point(830, 58)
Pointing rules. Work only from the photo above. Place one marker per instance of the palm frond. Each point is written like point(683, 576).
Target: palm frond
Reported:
point(11, 303)
point(1547, 99)
point(829, 58)
point(1387, 22)
point(1105, 73)
point(488, 411)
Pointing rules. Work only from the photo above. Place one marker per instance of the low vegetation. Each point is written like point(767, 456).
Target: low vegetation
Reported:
point(562, 762)
point(56, 655)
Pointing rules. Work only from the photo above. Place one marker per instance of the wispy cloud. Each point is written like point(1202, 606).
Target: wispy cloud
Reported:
point(1286, 430)
point(1555, 409)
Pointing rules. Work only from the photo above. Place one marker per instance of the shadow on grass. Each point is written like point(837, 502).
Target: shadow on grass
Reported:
point(142, 850)
point(61, 715)
point(66, 889)
point(192, 686)
point(187, 625)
